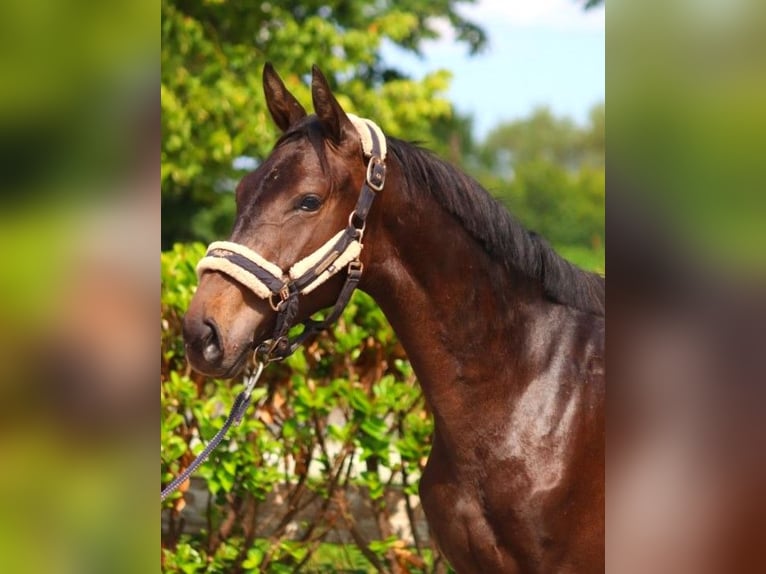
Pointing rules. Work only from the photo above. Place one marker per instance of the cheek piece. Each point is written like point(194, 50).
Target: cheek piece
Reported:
point(282, 289)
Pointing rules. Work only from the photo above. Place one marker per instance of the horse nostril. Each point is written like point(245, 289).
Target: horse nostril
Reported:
point(211, 344)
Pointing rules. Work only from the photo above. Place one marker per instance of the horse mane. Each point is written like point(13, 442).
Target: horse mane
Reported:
point(500, 233)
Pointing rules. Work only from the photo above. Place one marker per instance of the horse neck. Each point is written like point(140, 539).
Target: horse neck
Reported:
point(463, 318)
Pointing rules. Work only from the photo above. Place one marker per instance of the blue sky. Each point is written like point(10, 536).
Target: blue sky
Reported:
point(541, 52)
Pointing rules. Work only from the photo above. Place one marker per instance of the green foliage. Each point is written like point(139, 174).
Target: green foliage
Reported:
point(549, 172)
point(545, 137)
point(343, 415)
point(213, 110)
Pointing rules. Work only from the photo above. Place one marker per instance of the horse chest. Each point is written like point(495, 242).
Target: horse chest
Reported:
point(505, 523)
point(509, 506)
point(458, 522)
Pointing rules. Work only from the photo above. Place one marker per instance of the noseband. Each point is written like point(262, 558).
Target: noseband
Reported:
point(283, 289)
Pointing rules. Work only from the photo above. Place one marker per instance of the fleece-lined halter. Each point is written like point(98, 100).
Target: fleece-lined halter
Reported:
point(282, 288)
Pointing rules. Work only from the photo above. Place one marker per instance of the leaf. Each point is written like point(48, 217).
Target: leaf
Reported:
point(376, 428)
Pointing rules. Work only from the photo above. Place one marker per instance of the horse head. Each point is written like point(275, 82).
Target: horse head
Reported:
point(295, 213)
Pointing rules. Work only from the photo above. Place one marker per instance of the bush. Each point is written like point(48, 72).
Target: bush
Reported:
point(342, 420)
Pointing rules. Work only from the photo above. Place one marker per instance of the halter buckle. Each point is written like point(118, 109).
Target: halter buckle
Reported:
point(376, 173)
point(284, 295)
point(355, 267)
point(359, 229)
point(272, 350)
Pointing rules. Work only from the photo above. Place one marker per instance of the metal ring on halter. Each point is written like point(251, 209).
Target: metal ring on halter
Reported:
point(263, 352)
point(284, 295)
point(359, 229)
point(274, 307)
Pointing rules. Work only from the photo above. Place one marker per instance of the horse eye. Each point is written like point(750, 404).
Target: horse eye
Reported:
point(310, 203)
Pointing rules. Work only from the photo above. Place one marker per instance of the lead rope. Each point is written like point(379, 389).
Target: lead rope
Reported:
point(235, 417)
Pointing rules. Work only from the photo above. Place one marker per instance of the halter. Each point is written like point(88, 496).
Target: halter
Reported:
point(283, 289)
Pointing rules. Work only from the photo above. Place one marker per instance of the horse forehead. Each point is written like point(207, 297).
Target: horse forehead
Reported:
point(286, 165)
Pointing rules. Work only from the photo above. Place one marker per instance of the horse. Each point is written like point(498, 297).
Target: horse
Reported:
point(505, 336)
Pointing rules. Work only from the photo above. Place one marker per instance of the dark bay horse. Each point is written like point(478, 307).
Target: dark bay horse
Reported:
point(506, 337)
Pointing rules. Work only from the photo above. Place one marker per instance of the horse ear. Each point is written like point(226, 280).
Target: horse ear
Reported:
point(328, 110)
point(284, 108)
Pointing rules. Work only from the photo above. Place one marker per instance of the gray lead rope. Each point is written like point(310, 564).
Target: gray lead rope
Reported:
point(235, 417)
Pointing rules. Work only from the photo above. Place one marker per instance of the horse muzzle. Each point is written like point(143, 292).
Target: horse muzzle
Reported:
point(222, 325)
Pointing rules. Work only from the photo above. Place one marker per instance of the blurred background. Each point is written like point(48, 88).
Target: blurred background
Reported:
point(686, 463)
point(80, 226)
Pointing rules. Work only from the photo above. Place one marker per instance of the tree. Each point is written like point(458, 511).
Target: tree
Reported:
point(214, 118)
point(549, 172)
point(544, 137)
